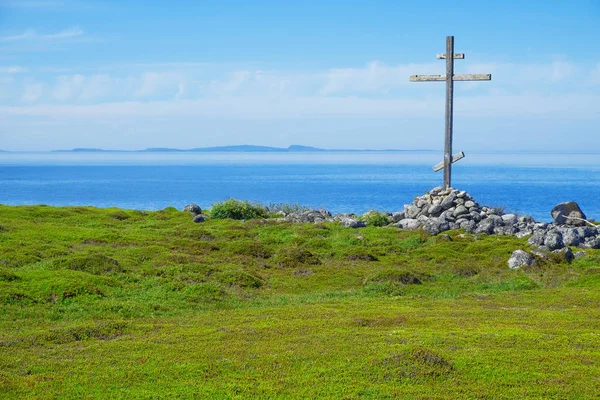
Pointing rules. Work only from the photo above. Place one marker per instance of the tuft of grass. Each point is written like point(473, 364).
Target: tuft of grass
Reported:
point(7, 275)
point(295, 257)
point(238, 209)
point(96, 264)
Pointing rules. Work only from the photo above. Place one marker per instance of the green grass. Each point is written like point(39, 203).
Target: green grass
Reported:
point(108, 303)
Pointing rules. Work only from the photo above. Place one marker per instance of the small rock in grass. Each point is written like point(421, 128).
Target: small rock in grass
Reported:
point(200, 218)
point(519, 258)
point(351, 222)
point(567, 254)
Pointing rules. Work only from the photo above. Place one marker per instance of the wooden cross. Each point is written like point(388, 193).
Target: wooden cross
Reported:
point(450, 77)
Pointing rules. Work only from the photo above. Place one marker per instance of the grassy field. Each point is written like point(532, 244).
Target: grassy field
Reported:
point(108, 303)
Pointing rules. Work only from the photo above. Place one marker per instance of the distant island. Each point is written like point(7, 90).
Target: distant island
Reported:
point(233, 149)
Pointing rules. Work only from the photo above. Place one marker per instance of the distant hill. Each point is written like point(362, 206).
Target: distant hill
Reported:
point(245, 148)
point(83, 150)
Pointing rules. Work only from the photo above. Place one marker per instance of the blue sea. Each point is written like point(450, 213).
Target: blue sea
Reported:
point(524, 183)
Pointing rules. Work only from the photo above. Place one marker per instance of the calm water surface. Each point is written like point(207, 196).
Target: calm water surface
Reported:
point(341, 182)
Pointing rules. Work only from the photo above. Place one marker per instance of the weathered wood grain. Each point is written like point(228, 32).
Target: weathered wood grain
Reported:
point(457, 56)
point(455, 158)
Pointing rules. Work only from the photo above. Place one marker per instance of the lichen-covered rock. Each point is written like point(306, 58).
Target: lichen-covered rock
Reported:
point(193, 208)
point(435, 226)
point(554, 240)
point(397, 216)
point(592, 242)
point(537, 239)
point(568, 213)
point(571, 237)
point(520, 258)
point(351, 222)
point(409, 223)
point(509, 219)
point(200, 218)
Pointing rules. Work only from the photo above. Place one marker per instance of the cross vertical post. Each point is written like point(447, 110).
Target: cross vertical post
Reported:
point(449, 78)
point(449, 111)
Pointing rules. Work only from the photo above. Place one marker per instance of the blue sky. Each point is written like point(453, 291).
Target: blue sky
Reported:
point(333, 74)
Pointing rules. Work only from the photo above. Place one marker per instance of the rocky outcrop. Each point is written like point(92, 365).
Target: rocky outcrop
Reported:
point(568, 213)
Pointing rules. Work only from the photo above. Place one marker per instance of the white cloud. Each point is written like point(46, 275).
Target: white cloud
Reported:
point(594, 78)
point(580, 106)
point(31, 34)
point(32, 92)
point(31, 4)
point(12, 69)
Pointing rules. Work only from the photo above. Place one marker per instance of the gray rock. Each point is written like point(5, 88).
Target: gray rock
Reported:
point(448, 200)
point(193, 208)
point(409, 223)
point(537, 239)
point(412, 211)
point(554, 240)
point(592, 242)
point(509, 219)
point(314, 216)
point(435, 210)
point(524, 233)
point(460, 210)
point(469, 203)
point(454, 226)
point(435, 226)
point(436, 190)
point(505, 230)
point(578, 254)
point(469, 226)
point(568, 213)
point(351, 222)
point(200, 218)
point(525, 220)
point(475, 216)
point(397, 216)
point(520, 258)
point(586, 232)
point(571, 237)
point(486, 226)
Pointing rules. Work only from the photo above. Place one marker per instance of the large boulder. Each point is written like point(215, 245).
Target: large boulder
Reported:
point(409, 223)
point(520, 258)
point(193, 208)
point(349, 222)
point(554, 240)
point(568, 213)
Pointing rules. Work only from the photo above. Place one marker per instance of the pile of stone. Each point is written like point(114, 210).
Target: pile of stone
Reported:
point(442, 209)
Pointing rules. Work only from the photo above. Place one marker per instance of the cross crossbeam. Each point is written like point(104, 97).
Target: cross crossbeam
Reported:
point(456, 77)
point(449, 78)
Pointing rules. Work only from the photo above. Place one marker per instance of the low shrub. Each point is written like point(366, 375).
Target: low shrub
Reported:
point(375, 218)
point(238, 209)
